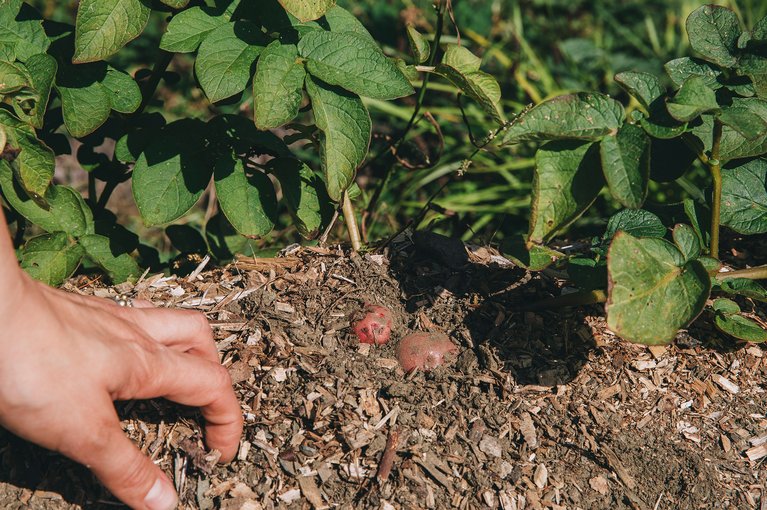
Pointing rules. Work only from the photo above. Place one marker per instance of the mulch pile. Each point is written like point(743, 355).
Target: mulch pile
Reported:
point(544, 410)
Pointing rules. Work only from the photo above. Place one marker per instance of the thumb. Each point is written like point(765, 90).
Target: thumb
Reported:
point(125, 471)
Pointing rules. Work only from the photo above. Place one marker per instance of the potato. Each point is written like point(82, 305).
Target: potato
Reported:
point(375, 325)
point(424, 351)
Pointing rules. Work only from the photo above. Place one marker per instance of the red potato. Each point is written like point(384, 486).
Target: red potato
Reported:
point(375, 325)
point(424, 351)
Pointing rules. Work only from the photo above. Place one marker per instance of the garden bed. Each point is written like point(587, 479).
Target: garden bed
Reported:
point(539, 410)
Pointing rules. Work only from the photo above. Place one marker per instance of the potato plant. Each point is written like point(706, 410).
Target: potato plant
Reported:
point(656, 280)
point(296, 56)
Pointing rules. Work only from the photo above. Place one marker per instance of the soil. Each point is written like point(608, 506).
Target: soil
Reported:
point(539, 410)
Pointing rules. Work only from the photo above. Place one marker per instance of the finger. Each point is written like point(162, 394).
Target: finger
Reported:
point(181, 330)
point(122, 468)
point(191, 381)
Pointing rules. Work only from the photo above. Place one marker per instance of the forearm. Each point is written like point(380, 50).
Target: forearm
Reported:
point(10, 274)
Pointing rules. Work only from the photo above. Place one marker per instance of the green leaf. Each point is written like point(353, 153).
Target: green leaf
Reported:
point(581, 116)
point(35, 162)
point(626, 165)
point(123, 92)
point(226, 59)
point(51, 258)
point(66, 210)
point(645, 87)
point(246, 196)
point(189, 28)
point(637, 222)
point(759, 32)
point(461, 67)
point(682, 69)
point(278, 85)
point(744, 287)
point(85, 102)
point(735, 145)
point(26, 36)
point(533, 257)
point(224, 240)
point(303, 193)
point(176, 4)
point(307, 10)
point(744, 121)
point(346, 131)
point(42, 70)
point(104, 26)
point(172, 172)
point(118, 265)
point(567, 181)
point(755, 67)
point(419, 46)
point(744, 197)
point(687, 241)
point(141, 131)
point(730, 320)
point(13, 77)
point(353, 62)
point(713, 31)
point(238, 134)
point(692, 100)
point(700, 219)
point(652, 291)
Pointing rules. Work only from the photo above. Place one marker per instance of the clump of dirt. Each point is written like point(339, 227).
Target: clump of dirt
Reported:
point(539, 410)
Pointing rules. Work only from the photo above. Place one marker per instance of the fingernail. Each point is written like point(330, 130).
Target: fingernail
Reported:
point(161, 496)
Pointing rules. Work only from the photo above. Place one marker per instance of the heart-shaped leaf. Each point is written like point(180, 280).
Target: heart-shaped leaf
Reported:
point(692, 100)
point(105, 26)
point(278, 85)
point(103, 251)
point(652, 291)
point(188, 28)
point(713, 31)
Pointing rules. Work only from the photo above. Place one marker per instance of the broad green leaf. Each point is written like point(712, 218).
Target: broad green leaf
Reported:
point(645, 87)
point(186, 239)
point(533, 257)
point(346, 131)
point(682, 69)
point(123, 92)
point(42, 70)
point(118, 265)
point(734, 145)
point(669, 159)
point(713, 31)
point(692, 100)
point(626, 165)
point(85, 103)
point(744, 287)
point(176, 4)
point(419, 46)
point(172, 172)
point(35, 162)
point(755, 67)
point(51, 258)
point(26, 36)
point(637, 222)
point(302, 193)
point(700, 219)
point(224, 241)
point(744, 197)
point(278, 85)
point(661, 125)
point(188, 28)
point(652, 292)
point(13, 77)
point(687, 241)
point(750, 125)
point(353, 62)
point(567, 181)
point(142, 130)
point(246, 196)
point(104, 26)
point(461, 67)
point(226, 58)
point(730, 320)
point(307, 10)
point(581, 116)
point(759, 32)
point(66, 210)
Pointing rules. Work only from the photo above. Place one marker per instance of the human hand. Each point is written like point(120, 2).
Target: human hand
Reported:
point(65, 358)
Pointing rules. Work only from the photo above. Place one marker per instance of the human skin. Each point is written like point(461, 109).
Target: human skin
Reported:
point(65, 358)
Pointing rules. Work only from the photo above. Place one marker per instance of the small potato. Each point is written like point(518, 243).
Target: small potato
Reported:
point(424, 351)
point(375, 325)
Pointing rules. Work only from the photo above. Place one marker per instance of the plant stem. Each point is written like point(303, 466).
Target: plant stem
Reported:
point(150, 86)
point(109, 187)
point(716, 201)
point(752, 273)
point(92, 189)
point(414, 117)
point(584, 297)
point(351, 222)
